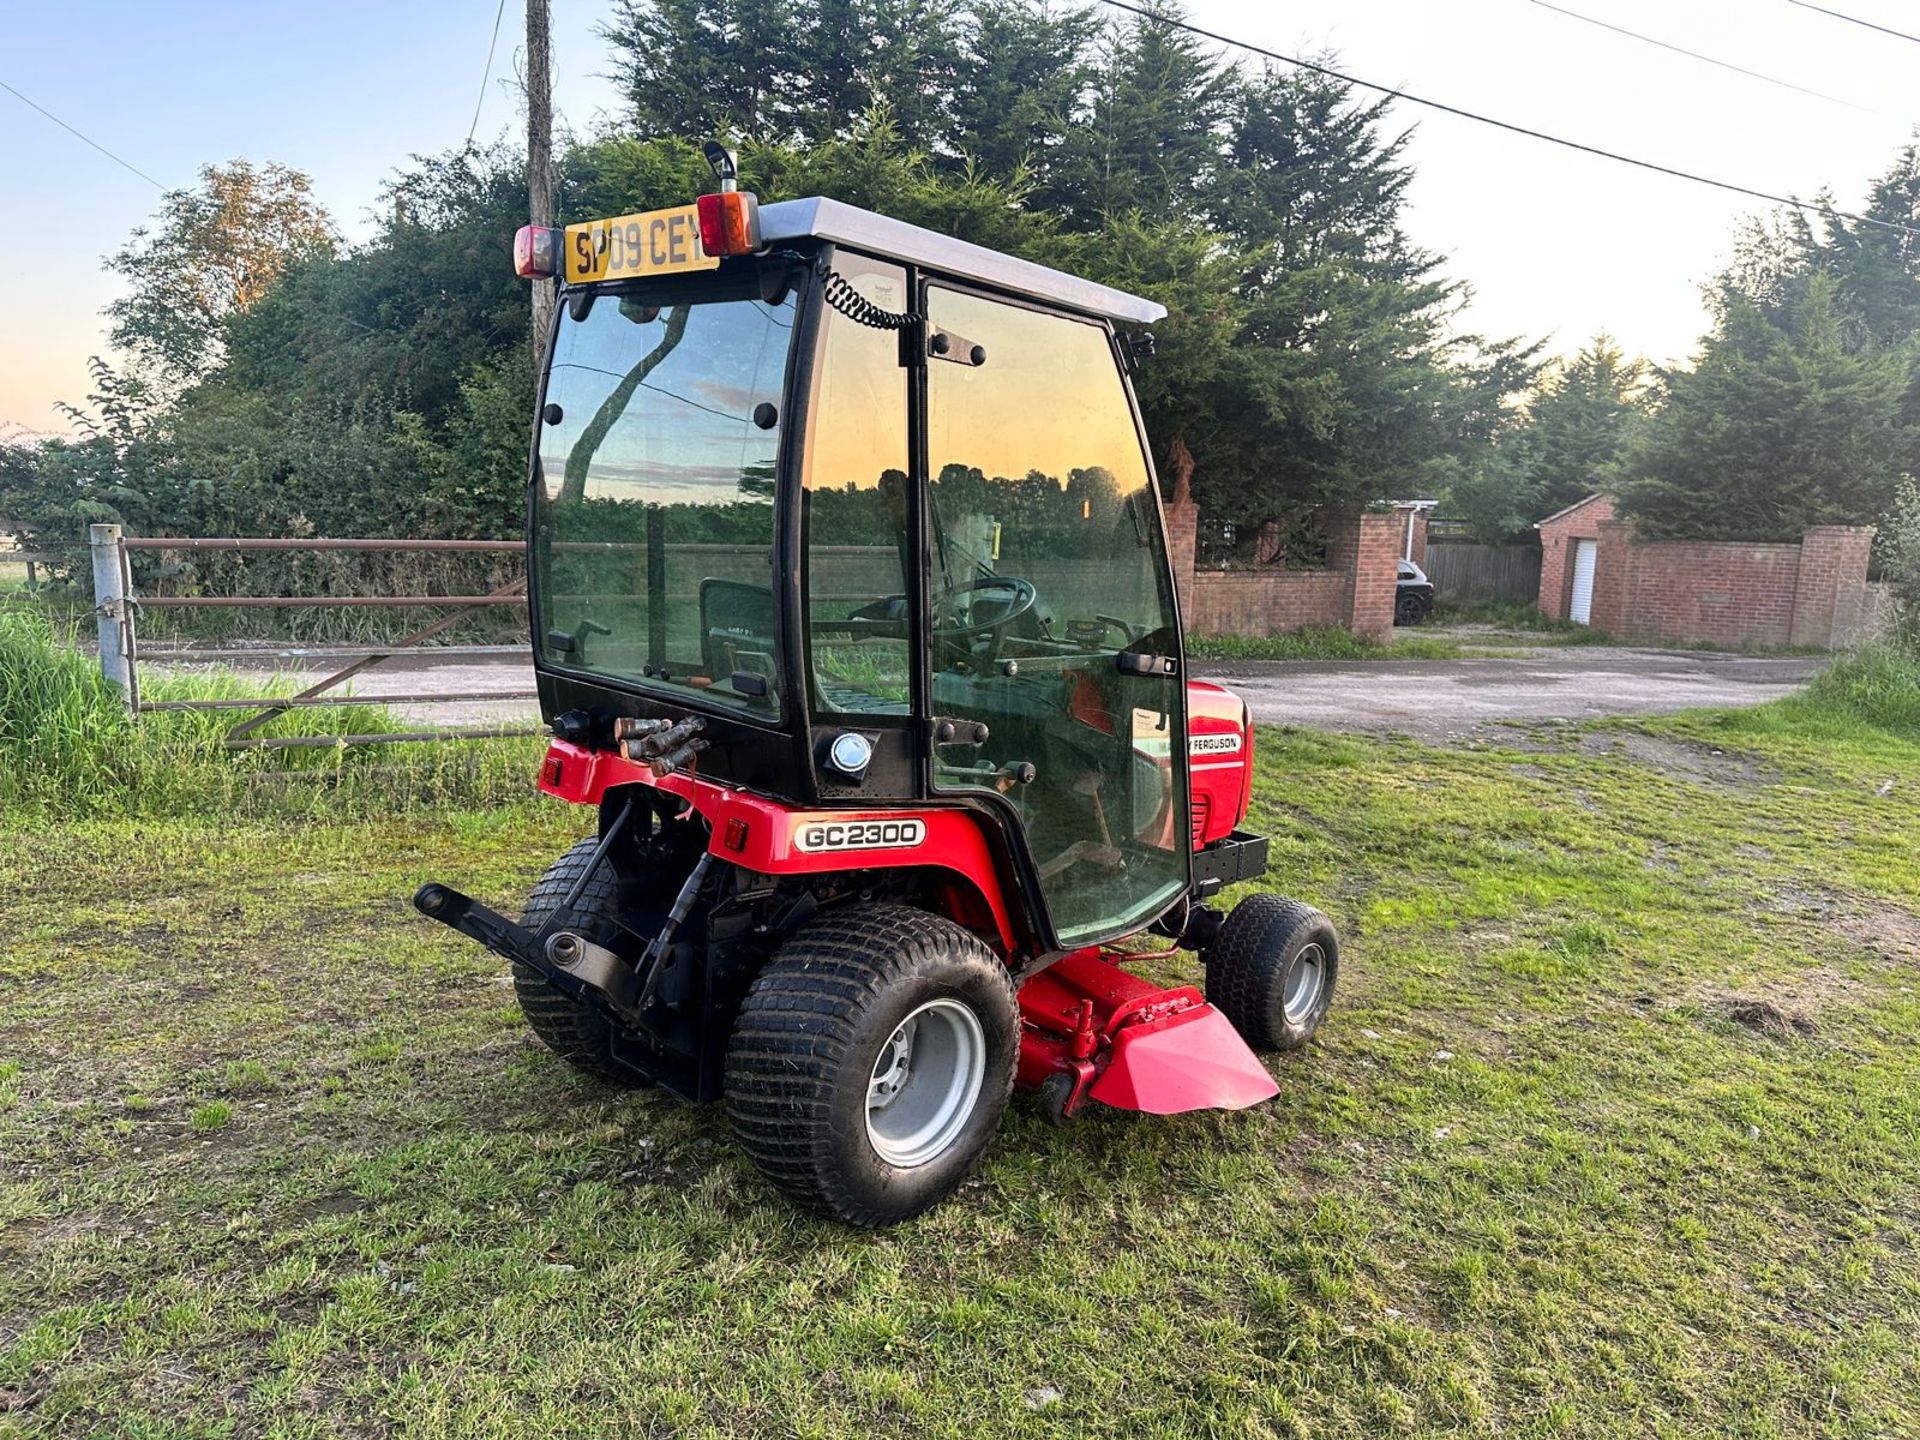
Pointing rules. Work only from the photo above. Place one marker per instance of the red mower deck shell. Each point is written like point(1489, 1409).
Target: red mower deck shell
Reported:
point(1128, 1043)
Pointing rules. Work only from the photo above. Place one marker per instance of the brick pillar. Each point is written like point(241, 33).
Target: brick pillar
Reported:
point(1613, 559)
point(1365, 548)
point(1832, 584)
point(1183, 523)
point(1552, 599)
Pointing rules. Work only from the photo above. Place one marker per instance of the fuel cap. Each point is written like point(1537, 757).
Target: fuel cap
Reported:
point(850, 753)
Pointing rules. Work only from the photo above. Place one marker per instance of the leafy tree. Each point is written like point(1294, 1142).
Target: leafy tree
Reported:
point(1311, 356)
point(398, 322)
point(1151, 139)
point(1581, 422)
point(775, 74)
point(1337, 376)
point(858, 54)
point(1492, 491)
point(1784, 423)
point(213, 252)
point(1025, 71)
point(1874, 268)
point(699, 68)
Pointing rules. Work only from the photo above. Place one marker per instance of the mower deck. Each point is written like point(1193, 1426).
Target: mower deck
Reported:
point(1090, 1029)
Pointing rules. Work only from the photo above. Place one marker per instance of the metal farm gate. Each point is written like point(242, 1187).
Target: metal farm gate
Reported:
point(117, 609)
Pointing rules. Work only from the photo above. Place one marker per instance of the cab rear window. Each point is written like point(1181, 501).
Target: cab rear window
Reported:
point(654, 522)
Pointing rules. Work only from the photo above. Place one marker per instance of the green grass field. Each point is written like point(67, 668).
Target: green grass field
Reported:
point(1614, 1130)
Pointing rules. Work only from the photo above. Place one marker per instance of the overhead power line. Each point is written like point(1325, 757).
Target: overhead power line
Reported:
point(486, 74)
point(87, 139)
point(1396, 94)
point(1856, 20)
point(1695, 54)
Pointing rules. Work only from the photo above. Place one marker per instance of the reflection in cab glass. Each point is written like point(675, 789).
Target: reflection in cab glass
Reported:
point(1050, 607)
point(653, 540)
point(856, 498)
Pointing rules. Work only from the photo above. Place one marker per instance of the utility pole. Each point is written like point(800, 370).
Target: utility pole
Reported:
point(540, 158)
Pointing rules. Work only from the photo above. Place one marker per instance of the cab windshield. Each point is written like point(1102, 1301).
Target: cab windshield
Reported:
point(654, 488)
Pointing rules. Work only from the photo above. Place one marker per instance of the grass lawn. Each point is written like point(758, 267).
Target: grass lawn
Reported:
point(1614, 1130)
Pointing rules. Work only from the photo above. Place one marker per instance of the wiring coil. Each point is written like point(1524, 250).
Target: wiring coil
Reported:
point(857, 308)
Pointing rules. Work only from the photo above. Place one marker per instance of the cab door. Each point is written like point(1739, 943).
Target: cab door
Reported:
point(1050, 614)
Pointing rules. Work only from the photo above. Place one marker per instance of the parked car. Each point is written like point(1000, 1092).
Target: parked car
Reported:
point(1413, 600)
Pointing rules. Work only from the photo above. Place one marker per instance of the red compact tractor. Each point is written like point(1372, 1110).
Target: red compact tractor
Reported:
point(854, 622)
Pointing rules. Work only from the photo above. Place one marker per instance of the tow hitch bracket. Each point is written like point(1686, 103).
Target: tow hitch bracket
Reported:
point(506, 939)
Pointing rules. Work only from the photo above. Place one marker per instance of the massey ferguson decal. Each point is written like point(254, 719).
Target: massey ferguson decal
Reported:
point(1212, 744)
point(814, 836)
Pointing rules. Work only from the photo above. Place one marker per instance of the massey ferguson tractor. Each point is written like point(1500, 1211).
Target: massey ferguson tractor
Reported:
point(854, 623)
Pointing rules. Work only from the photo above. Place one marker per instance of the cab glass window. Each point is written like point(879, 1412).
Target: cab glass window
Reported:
point(1050, 608)
point(856, 506)
point(654, 516)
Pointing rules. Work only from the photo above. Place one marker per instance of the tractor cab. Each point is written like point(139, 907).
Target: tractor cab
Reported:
point(853, 619)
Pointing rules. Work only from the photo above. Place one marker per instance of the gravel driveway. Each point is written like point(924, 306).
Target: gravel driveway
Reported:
point(1430, 699)
point(1446, 699)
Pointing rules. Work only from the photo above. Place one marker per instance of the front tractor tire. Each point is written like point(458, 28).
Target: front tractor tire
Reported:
point(872, 1060)
point(576, 1033)
point(1271, 971)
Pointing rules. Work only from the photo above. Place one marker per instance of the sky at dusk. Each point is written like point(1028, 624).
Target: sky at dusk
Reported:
point(1553, 243)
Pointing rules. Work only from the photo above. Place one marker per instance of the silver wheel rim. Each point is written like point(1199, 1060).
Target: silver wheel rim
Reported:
point(925, 1083)
point(1306, 979)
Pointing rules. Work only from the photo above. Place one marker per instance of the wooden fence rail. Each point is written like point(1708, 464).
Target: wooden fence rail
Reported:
point(1484, 572)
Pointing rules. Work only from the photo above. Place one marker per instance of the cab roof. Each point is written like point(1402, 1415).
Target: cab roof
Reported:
point(822, 219)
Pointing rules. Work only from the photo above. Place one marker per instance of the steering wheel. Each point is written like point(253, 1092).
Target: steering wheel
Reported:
point(977, 641)
point(1024, 598)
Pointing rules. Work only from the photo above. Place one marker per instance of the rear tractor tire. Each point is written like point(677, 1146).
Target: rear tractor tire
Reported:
point(872, 1060)
point(578, 1034)
point(1271, 971)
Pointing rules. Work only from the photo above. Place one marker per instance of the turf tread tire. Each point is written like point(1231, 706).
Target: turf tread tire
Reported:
point(573, 1031)
point(809, 1031)
point(1247, 967)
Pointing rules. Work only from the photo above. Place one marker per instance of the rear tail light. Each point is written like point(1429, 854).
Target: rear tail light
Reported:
point(536, 252)
point(729, 223)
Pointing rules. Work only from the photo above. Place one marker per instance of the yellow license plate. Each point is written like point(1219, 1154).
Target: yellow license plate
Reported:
point(660, 242)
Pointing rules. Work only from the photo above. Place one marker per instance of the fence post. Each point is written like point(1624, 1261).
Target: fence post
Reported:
point(111, 609)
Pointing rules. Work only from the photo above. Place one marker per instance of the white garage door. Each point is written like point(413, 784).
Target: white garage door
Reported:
point(1581, 610)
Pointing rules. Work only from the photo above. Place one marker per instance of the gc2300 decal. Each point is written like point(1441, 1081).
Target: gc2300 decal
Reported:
point(814, 836)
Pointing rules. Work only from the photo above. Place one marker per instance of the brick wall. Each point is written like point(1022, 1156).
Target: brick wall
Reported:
point(1183, 524)
point(1267, 602)
point(1354, 592)
point(1713, 592)
point(1718, 593)
point(1581, 522)
point(1830, 601)
point(1367, 548)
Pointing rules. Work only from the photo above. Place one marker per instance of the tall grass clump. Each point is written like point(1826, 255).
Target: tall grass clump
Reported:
point(1877, 684)
point(68, 747)
point(1899, 545)
point(1320, 642)
point(62, 728)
